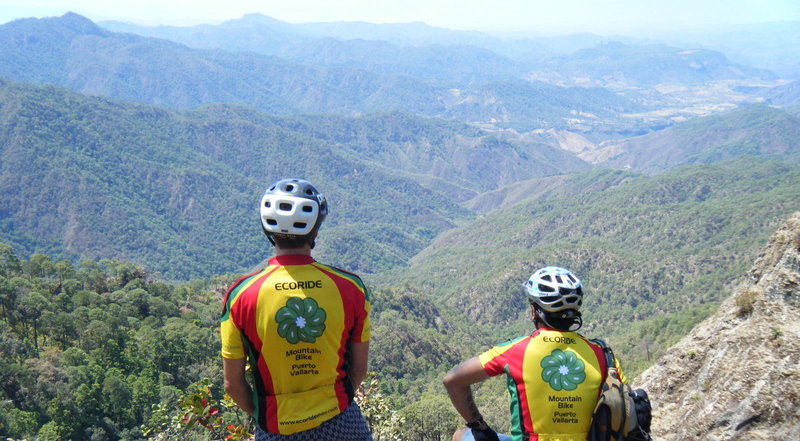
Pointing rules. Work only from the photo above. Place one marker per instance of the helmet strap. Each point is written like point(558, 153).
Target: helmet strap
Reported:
point(312, 238)
point(567, 322)
point(540, 318)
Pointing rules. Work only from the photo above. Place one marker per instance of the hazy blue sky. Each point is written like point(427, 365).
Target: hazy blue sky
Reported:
point(605, 17)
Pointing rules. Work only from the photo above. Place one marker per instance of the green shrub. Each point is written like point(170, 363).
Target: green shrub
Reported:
point(745, 303)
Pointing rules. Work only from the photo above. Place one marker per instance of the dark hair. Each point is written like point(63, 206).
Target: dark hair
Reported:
point(291, 243)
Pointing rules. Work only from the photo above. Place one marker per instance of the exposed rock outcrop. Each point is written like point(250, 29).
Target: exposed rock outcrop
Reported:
point(736, 376)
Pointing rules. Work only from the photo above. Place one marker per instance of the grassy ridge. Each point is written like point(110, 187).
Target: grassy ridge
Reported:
point(751, 130)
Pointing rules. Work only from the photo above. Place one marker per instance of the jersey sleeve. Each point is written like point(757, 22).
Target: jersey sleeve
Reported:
point(494, 360)
point(231, 339)
point(230, 336)
point(361, 330)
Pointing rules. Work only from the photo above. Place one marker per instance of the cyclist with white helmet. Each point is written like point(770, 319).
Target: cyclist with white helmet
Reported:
point(301, 326)
point(554, 375)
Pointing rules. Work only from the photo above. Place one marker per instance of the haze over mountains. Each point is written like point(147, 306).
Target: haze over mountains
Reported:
point(355, 76)
point(455, 163)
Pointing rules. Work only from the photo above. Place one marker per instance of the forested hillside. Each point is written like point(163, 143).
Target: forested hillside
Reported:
point(550, 187)
point(88, 349)
point(87, 178)
point(752, 130)
point(192, 173)
point(784, 95)
point(172, 190)
point(656, 253)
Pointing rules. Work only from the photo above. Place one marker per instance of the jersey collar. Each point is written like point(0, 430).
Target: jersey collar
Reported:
point(291, 259)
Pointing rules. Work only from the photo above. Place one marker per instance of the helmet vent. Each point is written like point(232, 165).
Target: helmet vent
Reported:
point(292, 207)
point(546, 288)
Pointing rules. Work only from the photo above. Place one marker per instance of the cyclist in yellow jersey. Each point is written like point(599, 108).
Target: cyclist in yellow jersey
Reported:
point(303, 328)
point(554, 375)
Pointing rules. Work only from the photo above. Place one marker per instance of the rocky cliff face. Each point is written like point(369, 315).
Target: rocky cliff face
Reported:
point(736, 376)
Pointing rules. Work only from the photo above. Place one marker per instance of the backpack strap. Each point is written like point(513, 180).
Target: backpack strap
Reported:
point(610, 416)
point(607, 352)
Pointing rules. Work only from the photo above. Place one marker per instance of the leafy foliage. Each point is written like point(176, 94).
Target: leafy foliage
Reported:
point(383, 421)
point(103, 351)
point(199, 416)
point(88, 350)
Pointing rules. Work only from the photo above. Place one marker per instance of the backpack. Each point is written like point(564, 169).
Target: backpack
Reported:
point(621, 414)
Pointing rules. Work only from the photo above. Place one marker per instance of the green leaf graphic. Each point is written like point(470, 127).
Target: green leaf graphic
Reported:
point(563, 370)
point(301, 320)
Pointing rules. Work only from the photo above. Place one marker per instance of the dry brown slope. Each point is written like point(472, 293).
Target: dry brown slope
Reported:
point(736, 376)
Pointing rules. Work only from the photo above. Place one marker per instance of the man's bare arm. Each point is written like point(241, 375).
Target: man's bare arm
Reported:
point(458, 382)
point(359, 353)
point(235, 384)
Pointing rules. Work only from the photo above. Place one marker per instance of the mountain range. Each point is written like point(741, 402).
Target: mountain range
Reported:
point(442, 162)
point(467, 83)
point(121, 177)
point(456, 163)
point(86, 177)
point(753, 45)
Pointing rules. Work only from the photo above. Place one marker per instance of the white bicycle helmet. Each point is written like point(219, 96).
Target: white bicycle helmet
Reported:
point(554, 289)
point(292, 208)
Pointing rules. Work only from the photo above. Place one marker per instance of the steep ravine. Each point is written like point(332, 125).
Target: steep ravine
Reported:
point(736, 376)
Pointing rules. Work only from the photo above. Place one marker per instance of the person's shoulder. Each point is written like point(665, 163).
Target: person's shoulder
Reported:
point(336, 269)
point(514, 341)
point(241, 281)
point(509, 349)
point(344, 274)
point(599, 342)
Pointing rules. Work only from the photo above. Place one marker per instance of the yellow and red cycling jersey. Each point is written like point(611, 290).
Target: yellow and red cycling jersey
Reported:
point(293, 321)
point(554, 379)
